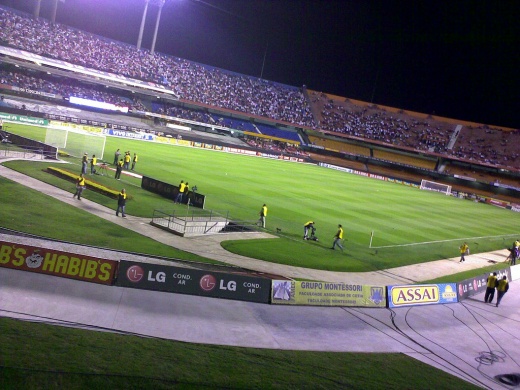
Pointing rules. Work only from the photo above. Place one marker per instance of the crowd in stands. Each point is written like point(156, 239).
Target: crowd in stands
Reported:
point(488, 145)
point(184, 113)
point(276, 132)
point(214, 119)
point(189, 80)
point(375, 123)
point(203, 116)
point(234, 123)
point(478, 143)
point(65, 88)
point(231, 91)
point(274, 146)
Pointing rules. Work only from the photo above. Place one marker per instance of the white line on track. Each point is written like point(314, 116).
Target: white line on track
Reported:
point(434, 242)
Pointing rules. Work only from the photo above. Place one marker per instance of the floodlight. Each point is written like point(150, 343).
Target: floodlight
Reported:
point(160, 4)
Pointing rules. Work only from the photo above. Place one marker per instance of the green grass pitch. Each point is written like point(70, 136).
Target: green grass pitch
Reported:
point(410, 226)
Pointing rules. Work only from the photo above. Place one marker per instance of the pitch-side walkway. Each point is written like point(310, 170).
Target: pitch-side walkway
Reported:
point(457, 338)
point(209, 246)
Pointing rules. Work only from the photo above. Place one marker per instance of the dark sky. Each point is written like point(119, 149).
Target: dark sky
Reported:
point(458, 59)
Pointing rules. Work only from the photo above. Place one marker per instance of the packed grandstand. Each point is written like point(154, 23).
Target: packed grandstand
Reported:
point(266, 115)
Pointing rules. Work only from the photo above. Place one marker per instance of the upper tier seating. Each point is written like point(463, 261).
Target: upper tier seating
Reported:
point(190, 80)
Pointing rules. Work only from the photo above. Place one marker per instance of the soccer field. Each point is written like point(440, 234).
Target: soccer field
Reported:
point(409, 225)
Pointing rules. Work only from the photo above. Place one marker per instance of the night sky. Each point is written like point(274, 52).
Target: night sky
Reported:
point(458, 59)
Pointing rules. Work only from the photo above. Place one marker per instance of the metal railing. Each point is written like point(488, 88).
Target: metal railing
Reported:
point(10, 151)
point(195, 222)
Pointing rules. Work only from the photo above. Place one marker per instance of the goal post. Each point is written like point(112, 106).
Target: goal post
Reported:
point(437, 187)
point(56, 137)
point(75, 142)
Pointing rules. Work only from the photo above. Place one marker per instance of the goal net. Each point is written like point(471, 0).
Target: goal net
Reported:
point(437, 187)
point(75, 142)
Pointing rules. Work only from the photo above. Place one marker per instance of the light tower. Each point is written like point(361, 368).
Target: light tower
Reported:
point(160, 3)
point(36, 11)
point(140, 39)
point(54, 11)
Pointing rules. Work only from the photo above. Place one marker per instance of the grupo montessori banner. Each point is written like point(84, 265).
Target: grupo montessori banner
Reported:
point(426, 294)
point(194, 282)
point(52, 262)
point(327, 294)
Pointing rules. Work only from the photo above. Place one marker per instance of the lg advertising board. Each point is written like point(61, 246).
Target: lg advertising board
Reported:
point(52, 262)
point(194, 282)
point(289, 292)
point(478, 284)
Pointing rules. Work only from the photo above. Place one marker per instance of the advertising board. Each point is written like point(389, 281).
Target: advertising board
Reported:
point(478, 284)
point(23, 119)
point(292, 292)
point(57, 263)
point(193, 282)
point(170, 191)
point(129, 134)
point(422, 294)
point(472, 286)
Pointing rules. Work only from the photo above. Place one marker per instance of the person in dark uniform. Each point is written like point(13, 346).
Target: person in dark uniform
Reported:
point(134, 161)
point(116, 157)
point(80, 186)
point(121, 203)
point(84, 164)
point(515, 252)
point(186, 190)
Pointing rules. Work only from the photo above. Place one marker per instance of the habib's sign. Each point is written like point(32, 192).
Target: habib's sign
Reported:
point(51, 262)
point(426, 294)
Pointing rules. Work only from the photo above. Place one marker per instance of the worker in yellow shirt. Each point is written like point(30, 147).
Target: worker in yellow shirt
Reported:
point(337, 238)
point(119, 169)
point(80, 186)
point(180, 194)
point(464, 250)
point(263, 214)
point(126, 164)
point(93, 163)
point(502, 288)
point(306, 228)
point(490, 289)
point(121, 203)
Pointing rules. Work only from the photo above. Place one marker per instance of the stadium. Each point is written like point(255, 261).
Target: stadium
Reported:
point(409, 189)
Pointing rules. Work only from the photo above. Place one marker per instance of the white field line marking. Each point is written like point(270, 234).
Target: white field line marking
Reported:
point(434, 242)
